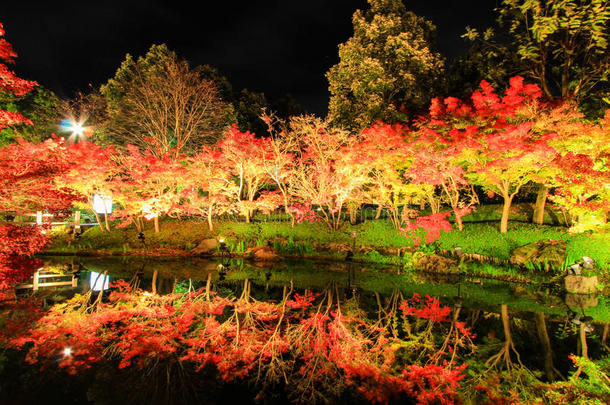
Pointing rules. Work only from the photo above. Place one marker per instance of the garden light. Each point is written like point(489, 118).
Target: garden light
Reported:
point(142, 238)
point(76, 128)
point(102, 204)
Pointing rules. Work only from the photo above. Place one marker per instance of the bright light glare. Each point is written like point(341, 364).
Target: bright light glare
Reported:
point(98, 281)
point(102, 204)
point(76, 128)
point(67, 351)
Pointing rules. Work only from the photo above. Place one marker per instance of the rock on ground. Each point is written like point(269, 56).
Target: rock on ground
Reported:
point(581, 284)
point(206, 246)
point(262, 253)
point(547, 254)
point(435, 263)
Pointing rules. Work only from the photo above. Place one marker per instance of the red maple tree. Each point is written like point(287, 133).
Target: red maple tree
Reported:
point(10, 83)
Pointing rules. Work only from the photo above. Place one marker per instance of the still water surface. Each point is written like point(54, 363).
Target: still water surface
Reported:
point(545, 322)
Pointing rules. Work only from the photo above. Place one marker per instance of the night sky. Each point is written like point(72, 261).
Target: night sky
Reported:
point(275, 47)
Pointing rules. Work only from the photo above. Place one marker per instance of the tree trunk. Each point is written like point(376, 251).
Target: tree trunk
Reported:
point(551, 372)
point(505, 213)
point(435, 205)
point(154, 281)
point(543, 191)
point(290, 214)
point(208, 284)
point(106, 216)
point(458, 221)
point(352, 215)
point(156, 221)
point(136, 222)
point(99, 221)
point(509, 344)
point(584, 348)
point(378, 214)
point(210, 225)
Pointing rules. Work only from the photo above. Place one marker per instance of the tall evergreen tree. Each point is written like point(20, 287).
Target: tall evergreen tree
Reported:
point(387, 69)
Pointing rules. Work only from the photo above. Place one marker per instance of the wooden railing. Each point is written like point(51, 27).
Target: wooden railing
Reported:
point(39, 280)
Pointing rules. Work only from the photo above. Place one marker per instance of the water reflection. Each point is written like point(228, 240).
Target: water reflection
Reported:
point(489, 325)
point(98, 281)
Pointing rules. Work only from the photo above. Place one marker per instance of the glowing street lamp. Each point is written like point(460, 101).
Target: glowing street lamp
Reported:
point(76, 128)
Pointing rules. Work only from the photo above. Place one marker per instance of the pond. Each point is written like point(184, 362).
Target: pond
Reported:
point(296, 331)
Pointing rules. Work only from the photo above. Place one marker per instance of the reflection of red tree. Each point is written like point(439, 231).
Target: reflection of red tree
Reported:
point(316, 350)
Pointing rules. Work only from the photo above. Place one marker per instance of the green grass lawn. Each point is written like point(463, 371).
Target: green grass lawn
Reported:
point(480, 236)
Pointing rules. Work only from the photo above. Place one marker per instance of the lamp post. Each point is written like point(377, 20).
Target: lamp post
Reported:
point(222, 268)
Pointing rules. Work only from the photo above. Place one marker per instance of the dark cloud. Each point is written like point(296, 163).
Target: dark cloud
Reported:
point(276, 47)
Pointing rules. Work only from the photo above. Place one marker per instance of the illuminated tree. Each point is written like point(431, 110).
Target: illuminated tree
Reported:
point(89, 174)
point(385, 67)
point(159, 102)
point(436, 166)
point(580, 171)
point(561, 44)
point(209, 188)
point(17, 245)
point(584, 189)
point(147, 186)
point(510, 160)
point(500, 152)
point(324, 174)
point(246, 155)
point(11, 84)
point(385, 152)
point(280, 160)
point(28, 174)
